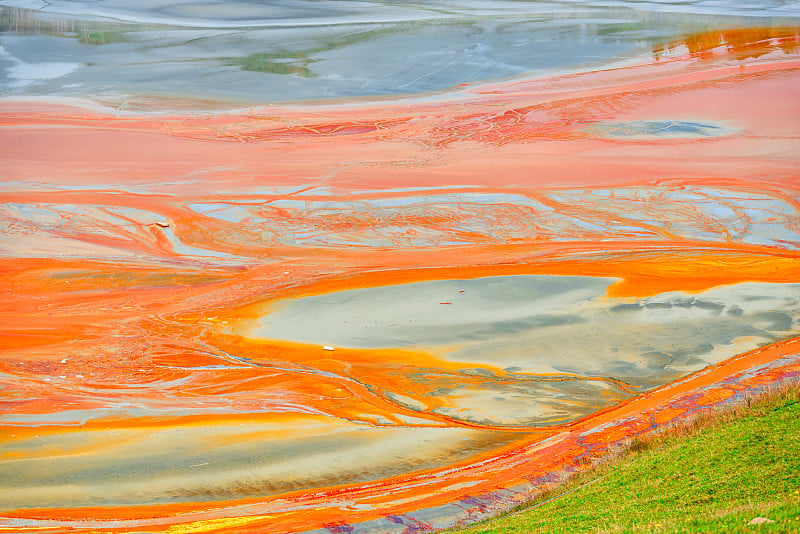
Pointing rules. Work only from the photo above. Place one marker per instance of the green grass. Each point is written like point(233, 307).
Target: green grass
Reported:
point(711, 476)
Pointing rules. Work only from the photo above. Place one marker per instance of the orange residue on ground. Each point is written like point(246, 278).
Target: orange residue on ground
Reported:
point(142, 248)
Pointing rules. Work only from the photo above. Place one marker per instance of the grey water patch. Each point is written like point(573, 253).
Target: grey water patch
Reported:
point(663, 129)
point(250, 52)
point(650, 341)
point(703, 213)
point(441, 312)
point(545, 349)
point(546, 326)
point(528, 400)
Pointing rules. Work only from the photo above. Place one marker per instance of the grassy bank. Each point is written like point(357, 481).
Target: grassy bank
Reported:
point(714, 475)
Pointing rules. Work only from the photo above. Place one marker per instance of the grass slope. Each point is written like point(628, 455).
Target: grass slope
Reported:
point(712, 476)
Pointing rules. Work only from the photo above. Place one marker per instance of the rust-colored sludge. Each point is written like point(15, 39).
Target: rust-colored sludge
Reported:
point(171, 284)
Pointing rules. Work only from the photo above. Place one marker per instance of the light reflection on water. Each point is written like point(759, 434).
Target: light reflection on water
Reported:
point(256, 52)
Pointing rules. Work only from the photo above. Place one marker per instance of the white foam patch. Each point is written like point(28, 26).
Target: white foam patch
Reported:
point(27, 73)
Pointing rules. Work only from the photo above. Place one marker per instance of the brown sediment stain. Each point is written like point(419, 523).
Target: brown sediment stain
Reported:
point(740, 43)
point(139, 251)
